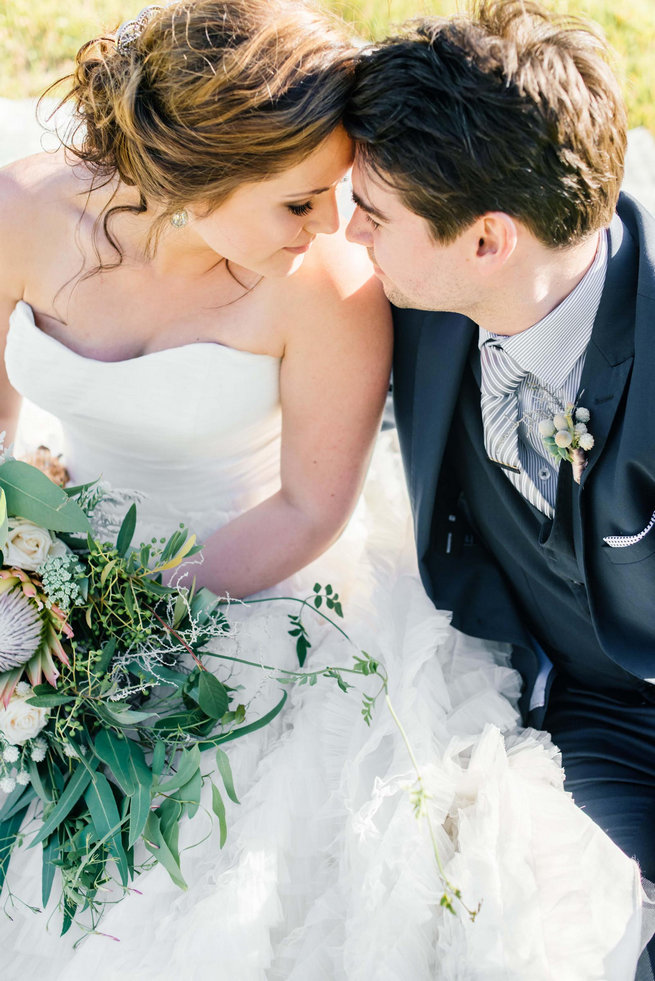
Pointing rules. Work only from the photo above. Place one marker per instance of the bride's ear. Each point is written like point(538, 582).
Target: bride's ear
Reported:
point(497, 235)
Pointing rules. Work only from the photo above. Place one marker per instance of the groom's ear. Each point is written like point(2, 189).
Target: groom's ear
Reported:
point(497, 236)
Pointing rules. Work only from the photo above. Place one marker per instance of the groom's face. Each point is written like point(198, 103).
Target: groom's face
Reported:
point(415, 271)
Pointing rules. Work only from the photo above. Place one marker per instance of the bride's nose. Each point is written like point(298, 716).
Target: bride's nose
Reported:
point(325, 216)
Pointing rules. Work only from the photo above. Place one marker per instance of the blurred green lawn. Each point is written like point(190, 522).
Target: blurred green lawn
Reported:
point(39, 38)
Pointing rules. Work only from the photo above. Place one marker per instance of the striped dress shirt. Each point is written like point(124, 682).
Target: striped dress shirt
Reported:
point(552, 352)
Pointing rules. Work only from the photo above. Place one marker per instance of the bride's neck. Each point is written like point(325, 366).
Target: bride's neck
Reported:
point(144, 241)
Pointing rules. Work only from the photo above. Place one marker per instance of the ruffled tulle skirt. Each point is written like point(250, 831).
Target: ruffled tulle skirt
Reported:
point(328, 872)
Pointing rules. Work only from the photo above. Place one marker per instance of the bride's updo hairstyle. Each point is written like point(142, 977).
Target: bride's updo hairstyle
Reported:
point(209, 95)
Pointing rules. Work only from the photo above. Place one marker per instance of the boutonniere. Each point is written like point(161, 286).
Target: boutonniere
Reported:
point(566, 437)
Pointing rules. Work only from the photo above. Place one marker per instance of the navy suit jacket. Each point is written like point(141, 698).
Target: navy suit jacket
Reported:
point(616, 495)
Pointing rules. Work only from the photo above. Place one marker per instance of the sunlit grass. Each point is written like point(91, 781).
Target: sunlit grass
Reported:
point(39, 38)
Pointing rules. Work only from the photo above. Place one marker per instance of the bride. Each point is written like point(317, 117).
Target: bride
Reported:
point(167, 298)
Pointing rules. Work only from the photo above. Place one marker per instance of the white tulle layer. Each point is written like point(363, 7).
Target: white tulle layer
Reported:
point(327, 873)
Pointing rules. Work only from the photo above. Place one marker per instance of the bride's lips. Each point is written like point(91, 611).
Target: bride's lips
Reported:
point(300, 250)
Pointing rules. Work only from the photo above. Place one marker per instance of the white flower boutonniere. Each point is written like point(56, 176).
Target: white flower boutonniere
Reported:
point(566, 437)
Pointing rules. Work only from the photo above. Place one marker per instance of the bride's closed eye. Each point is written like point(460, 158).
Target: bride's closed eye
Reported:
point(300, 209)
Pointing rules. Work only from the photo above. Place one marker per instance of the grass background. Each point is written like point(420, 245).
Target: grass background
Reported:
point(39, 38)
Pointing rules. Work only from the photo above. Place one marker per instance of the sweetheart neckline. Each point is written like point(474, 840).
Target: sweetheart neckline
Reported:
point(29, 314)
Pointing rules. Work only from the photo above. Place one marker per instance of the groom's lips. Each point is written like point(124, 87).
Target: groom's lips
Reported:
point(376, 268)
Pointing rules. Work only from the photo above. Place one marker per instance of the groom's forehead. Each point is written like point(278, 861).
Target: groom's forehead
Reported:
point(373, 194)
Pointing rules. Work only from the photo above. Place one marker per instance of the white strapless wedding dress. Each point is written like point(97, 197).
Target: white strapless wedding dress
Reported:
point(327, 875)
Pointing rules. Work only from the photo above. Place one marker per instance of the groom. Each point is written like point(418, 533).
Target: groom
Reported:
point(489, 157)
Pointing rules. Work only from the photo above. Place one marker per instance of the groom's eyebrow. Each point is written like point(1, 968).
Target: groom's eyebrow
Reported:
point(369, 209)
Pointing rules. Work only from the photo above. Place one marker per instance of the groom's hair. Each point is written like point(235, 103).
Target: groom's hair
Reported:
point(509, 109)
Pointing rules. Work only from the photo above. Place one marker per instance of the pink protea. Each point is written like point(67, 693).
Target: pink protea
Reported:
point(29, 633)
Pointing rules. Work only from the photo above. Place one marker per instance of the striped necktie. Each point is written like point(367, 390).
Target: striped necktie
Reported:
point(500, 379)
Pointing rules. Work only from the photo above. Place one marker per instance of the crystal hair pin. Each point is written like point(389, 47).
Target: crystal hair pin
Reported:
point(131, 30)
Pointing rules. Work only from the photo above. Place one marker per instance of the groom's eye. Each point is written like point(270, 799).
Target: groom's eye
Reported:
point(300, 209)
point(371, 221)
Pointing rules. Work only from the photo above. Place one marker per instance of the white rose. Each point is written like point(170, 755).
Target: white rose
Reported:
point(20, 721)
point(27, 545)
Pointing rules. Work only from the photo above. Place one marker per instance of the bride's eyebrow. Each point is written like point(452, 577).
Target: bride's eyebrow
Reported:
point(307, 194)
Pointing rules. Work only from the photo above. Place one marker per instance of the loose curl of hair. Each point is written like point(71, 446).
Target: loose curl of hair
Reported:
point(509, 109)
point(211, 95)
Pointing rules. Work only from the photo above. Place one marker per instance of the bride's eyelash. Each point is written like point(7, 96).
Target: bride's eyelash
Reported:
point(375, 224)
point(300, 209)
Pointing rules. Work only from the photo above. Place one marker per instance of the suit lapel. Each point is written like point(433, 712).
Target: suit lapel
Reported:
point(441, 358)
point(611, 348)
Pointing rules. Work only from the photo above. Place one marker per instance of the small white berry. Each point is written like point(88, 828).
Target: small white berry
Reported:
point(563, 438)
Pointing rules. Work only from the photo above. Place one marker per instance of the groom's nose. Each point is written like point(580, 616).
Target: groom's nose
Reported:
point(359, 229)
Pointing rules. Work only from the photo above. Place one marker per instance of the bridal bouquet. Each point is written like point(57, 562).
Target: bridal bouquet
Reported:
point(105, 703)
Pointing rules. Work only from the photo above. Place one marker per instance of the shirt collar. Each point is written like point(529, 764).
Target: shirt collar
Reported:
point(550, 348)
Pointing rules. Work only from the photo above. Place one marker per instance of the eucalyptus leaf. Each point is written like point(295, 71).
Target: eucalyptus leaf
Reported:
point(115, 753)
point(155, 843)
point(37, 782)
point(218, 807)
point(162, 674)
point(120, 857)
point(139, 768)
point(189, 793)
point(102, 806)
point(20, 805)
point(188, 764)
point(139, 811)
point(32, 495)
point(50, 852)
point(158, 757)
point(245, 730)
point(156, 588)
point(225, 770)
point(126, 533)
point(169, 814)
point(100, 800)
point(9, 806)
point(203, 603)
point(8, 831)
point(180, 722)
point(212, 696)
point(126, 718)
point(49, 701)
point(72, 792)
point(108, 651)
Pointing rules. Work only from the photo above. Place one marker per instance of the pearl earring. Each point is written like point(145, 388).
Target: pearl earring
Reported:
point(179, 219)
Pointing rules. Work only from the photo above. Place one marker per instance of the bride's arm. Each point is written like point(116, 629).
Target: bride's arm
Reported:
point(12, 248)
point(334, 378)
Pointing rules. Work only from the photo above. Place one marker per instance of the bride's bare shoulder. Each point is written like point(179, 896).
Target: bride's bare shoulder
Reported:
point(40, 188)
point(41, 197)
point(337, 279)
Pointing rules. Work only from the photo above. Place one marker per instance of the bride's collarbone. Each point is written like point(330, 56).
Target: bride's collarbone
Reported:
point(117, 320)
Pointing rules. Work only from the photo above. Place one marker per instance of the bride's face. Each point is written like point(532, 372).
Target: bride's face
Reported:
point(269, 226)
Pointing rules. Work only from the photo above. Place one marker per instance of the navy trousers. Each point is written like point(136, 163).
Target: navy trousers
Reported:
point(607, 740)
